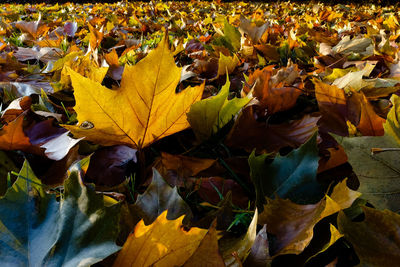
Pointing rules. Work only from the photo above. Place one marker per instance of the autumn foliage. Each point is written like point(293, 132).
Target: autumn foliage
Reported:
point(199, 134)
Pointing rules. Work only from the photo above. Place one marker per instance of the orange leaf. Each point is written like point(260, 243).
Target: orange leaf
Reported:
point(12, 136)
point(274, 89)
point(370, 123)
point(333, 106)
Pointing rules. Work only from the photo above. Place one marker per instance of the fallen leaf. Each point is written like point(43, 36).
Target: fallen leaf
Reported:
point(33, 28)
point(332, 104)
point(392, 125)
point(335, 236)
point(163, 243)
point(363, 46)
point(297, 181)
point(177, 168)
point(370, 124)
point(229, 37)
point(293, 224)
point(148, 89)
point(354, 80)
point(239, 248)
point(259, 253)
point(207, 254)
point(157, 198)
point(376, 239)
point(253, 31)
point(275, 91)
point(43, 231)
point(248, 133)
point(57, 148)
point(82, 65)
point(208, 116)
point(226, 64)
point(12, 137)
point(379, 173)
point(109, 166)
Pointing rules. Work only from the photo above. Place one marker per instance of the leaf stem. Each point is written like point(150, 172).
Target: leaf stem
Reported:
point(380, 150)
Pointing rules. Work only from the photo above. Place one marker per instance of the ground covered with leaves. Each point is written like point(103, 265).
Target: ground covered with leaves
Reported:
point(199, 134)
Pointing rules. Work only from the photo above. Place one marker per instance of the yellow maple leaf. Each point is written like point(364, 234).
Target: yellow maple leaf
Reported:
point(144, 109)
point(162, 243)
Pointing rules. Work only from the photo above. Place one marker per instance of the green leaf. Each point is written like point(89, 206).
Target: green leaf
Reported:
point(232, 34)
point(292, 176)
point(376, 239)
point(159, 197)
point(37, 230)
point(379, 174)
point(230, 39)
point(392, 125)
point(209, 115)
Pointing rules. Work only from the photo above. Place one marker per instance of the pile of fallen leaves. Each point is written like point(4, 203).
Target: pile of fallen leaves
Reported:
point(199, 134)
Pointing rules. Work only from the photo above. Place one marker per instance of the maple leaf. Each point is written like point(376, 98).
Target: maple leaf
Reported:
point(207, 254)
point(293, 224)
point(158, 197)
point(248, 133)
point(378, 173)
point(297, 181)
point(37, 230)
point(238, 249)
point(162, 243)
point(153, 109)
point(276, 90)
point(392, 125)
point(209, 115)
point(376, 239)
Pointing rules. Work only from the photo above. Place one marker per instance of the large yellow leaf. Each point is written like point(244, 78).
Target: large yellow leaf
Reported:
point(144, 109)
point(162, 243)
